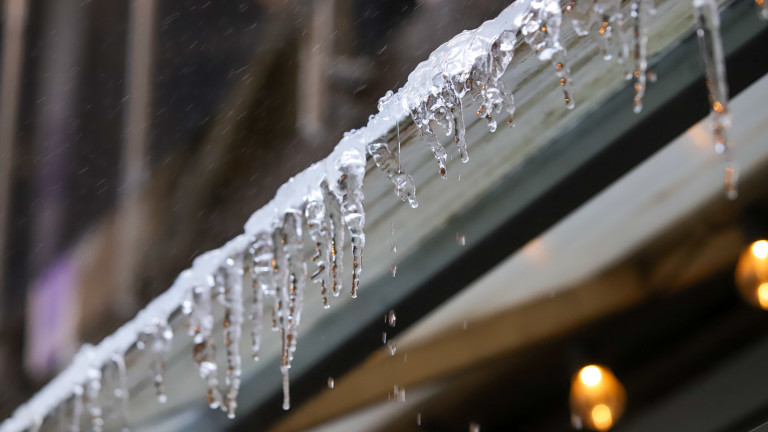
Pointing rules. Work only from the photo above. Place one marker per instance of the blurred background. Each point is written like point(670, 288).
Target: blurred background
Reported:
point(135, 135)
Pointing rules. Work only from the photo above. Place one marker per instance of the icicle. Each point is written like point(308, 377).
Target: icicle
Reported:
point(421, 120)
point(37, 423)
point(230, 295)
point(385, 160)
point(640, 11)
point(115, 377)
point(540, 28)
point(158, 338)
point(352, 168)
point(319, 231)
point(92, 403)
point(290, 271)
point(607, 15)
point(294, 249)
point(204, 351)
point(78, 393)
point(711, 45)
point(262, 282)
point(336, 226)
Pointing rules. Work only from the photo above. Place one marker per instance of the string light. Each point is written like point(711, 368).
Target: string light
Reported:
point(752, 274)
point(597, 398)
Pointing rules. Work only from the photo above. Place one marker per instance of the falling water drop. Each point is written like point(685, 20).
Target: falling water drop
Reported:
point(474, 427)
point(393, 269)
point(461, 239)
point(418, 419)
point(331, 383)
point(391, 347)
point(391, 318)
point(398, 393)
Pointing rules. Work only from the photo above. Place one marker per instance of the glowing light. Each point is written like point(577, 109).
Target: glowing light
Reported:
point(760, 249)
point(597, 398)
point(752, 274)
point(590, 375)
point(602, 417)
point(762, 295)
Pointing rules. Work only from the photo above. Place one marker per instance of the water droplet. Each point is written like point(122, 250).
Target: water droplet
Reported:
point(330, 383)
point(391, 318)
point(474, 427)
point(461, 239)
point(391, 347)
point(418, 419)
point(393, 269)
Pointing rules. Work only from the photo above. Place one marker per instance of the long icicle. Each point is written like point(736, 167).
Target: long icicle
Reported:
point(336, 225)
point(640, 11)
point(118, 380)
point(92, 402)
point(262, 282)
point(318, 229)
point(352, 168)
point(204, 350)
point(711, 45)
point(231, 296)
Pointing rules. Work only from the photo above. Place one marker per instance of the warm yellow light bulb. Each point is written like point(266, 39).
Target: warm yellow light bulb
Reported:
point(760, 249)
point(762, 295)
point(602, 417)
point(590, 375)
point(597, 398)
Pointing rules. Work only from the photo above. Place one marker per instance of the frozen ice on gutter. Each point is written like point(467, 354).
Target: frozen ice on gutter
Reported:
point(327, 199)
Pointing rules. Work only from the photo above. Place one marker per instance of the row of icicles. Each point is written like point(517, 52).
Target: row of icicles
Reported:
point(276, 264)
point(539, 27)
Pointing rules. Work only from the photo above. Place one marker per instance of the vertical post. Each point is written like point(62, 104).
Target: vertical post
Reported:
point(134, 158)
point(15, 17)
point(314, 55)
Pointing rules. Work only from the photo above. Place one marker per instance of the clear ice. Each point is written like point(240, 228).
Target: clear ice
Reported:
point(640, 10)
point(201, 323)
point(157, 339)
point(385, 160)
point(711, 46)
point(352, 169)
point(230, 294)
